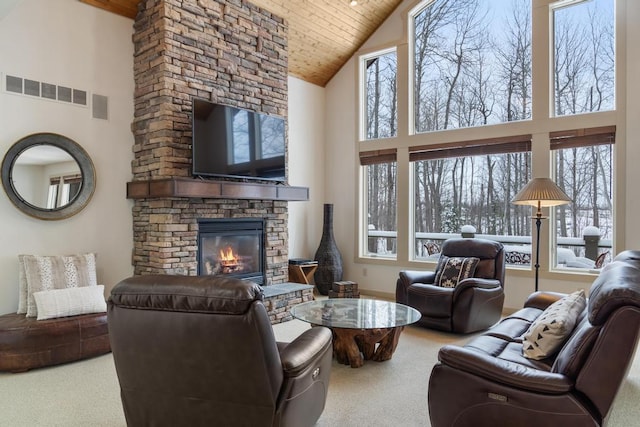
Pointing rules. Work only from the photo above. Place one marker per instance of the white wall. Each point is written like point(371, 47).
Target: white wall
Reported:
point(341, 170)
point(28, 181)
point(68, 43)
point(306, 165)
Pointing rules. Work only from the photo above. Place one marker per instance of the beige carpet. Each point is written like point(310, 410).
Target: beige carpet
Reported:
point(392, 393)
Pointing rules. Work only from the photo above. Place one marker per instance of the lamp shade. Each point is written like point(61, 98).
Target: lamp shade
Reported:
point(541, 192)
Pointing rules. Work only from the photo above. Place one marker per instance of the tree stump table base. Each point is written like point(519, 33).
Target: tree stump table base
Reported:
point(363, 329)
point(354, 346)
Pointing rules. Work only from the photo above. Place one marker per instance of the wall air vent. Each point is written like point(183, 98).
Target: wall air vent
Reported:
point(31, 87)
point(79, 97)
point(64, 94)
point(14, 84)
point(49, 91)
point(52, 92)
point(100, 107)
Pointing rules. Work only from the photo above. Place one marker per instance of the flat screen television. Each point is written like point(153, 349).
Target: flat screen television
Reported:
point(232, 142)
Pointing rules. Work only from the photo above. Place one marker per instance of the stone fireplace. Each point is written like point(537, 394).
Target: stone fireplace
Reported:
point(228, 52)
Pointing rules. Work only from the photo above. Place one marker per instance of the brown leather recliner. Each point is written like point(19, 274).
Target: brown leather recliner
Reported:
point(489, 383)
point(474, 304)
point(201, 351)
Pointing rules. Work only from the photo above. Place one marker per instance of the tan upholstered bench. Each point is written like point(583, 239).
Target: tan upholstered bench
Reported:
point(27, 343)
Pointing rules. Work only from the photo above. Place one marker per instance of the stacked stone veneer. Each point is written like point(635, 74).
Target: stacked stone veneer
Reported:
point(229, 52)
point(279, 299)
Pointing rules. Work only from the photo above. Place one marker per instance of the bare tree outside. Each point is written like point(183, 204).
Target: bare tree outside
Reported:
point(381, 96)
point(584, 82)
point(473, 67)
point(381, 113)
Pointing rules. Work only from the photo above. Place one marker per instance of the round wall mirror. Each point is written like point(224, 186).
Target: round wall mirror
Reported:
point(48, 176)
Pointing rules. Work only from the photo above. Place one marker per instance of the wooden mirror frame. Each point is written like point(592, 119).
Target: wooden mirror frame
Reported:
point(79, 155)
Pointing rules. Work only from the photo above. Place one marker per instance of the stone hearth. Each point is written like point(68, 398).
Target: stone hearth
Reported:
point(278, 299)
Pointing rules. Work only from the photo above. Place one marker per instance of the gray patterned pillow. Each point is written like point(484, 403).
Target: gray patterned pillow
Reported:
point(550, 330)
point(44, 273)
point(452, 270)
point(24, 290)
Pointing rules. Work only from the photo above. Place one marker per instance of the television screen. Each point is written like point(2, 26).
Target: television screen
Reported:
point(232, 142)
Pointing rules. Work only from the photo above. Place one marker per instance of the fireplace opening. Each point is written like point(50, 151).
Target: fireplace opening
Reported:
point(232, 247)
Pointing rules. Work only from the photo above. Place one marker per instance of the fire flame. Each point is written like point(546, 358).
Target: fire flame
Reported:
point(227, 256)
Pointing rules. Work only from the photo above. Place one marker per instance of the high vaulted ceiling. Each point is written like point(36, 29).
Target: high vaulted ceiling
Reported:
point(323, 34)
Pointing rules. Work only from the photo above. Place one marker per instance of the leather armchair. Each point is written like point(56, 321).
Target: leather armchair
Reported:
point(489, 383)
point(474, 304)
point(201, 351)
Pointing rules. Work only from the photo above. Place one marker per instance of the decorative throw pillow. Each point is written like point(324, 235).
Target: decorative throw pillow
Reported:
point(549, 331)
point(70, 302)
point(451, 270)
point(45, 273)
point(23, 289)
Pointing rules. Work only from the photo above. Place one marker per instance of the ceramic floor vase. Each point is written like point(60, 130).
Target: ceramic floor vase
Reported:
point(328, 255)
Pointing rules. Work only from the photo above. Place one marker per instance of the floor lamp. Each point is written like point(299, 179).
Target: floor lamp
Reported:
point(541, 193)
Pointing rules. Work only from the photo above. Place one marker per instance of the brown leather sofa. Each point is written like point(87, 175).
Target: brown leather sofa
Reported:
point(488, 381)
point(199, 351)
point(27, 343)
point(474, 304)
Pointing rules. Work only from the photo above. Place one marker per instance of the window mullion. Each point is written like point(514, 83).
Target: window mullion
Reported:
point(404, 210)
point(541, 59)
point(402, 76)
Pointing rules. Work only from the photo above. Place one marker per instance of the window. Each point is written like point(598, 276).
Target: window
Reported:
point(470, 184)
point(472, 63)
point(472, 139)
point(62, 190)
point(381, 95)
point(583, 169)
point(584, 57)
point(380, 172)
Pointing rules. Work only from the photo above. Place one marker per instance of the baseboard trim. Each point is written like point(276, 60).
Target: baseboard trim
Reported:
point(378, 295)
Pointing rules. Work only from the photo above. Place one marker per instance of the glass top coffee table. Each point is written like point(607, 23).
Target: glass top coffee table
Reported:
point(363, 329)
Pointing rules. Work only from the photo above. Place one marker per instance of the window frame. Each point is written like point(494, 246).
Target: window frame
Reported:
point(475, 148)
point(580, 138)
point(362, 86)
point(541, 125)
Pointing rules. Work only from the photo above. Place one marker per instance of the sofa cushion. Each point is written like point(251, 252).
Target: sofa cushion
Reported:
point(430, 300)
point(70, 302)
point(548, 332)
point(452, 270)
point(577, 349)
point(57, 272)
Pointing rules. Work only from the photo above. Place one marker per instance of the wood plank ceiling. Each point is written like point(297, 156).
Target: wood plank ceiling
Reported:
point(323, 34)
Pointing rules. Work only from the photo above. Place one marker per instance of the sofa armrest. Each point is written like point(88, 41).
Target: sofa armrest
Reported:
point(475, 282)
point(408, 277)
point(542, 300)
point(305, 350)
point(503, 371)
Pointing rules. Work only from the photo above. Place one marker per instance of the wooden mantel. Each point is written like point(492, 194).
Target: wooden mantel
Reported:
point(200, 188)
